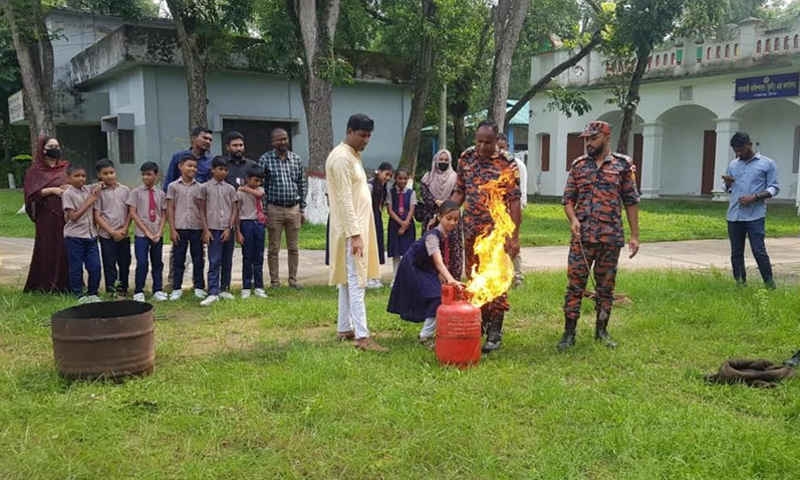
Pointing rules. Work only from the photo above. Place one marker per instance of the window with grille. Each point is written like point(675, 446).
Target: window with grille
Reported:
point(127, 154)
point(686, 94)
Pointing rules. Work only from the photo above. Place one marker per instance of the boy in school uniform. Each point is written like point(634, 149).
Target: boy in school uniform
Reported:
point(250, 232)
point(147, 210)
point(111, 217)
point(219, 212)
point(80, 234)
point(186, 228)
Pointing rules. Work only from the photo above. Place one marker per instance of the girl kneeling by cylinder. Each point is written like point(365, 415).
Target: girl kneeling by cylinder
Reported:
point(417, 289)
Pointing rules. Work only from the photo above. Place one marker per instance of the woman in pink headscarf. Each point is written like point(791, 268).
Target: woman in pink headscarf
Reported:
point(45, 181)
point(436, 187)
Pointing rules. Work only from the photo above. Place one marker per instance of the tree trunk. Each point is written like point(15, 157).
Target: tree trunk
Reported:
point(195, 68)
point(549, 76)
point(315, 27)
point(35, 56)
point(416, 118)
point(509, 16)
point(632, 101)
point(459, 134)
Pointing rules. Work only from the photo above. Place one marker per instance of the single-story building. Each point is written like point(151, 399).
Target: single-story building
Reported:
point(696, 94)
point(121, 93)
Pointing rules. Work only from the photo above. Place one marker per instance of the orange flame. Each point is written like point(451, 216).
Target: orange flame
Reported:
point(493, 274)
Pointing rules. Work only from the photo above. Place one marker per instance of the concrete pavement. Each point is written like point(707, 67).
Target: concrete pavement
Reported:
point(15, 255)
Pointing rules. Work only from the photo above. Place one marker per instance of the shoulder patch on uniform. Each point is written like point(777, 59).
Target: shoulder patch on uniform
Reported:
point(579, 159)
point(622, 157)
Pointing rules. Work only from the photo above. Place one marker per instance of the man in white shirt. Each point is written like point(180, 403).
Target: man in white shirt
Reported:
point(502, 145)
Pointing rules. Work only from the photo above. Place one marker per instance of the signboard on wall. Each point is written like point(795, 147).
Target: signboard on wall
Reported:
point(16, 109)
point(768, 86)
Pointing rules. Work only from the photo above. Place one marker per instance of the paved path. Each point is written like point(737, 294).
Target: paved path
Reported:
point(15, 254)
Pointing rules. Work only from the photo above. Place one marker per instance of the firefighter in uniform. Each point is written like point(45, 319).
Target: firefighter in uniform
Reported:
point(599, 184)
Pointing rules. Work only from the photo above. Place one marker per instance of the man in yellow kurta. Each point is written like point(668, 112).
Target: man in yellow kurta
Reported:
point(353, 241)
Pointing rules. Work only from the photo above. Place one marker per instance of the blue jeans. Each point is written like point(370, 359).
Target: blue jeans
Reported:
point(83, 252)
point(737, 231)
point(144, 248)
point(116, 263)
point(189, 240)
point(220, 260)
point(253, 254)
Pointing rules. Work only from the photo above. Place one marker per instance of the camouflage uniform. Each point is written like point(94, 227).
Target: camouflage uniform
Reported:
point(598, 194)
point(474, 171)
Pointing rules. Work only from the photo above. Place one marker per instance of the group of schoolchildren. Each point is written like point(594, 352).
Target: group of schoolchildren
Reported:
point(214, 213)
point(419, 265)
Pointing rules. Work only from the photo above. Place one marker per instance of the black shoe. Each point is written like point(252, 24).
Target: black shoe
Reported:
point(296, 286)
point(568, 339)
point(275, 286)
point(601, 331)
point(494, 336)
point(770, 285)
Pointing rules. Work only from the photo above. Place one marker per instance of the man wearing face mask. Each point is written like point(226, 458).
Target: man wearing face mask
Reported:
point(237, 163)
point(286, 186)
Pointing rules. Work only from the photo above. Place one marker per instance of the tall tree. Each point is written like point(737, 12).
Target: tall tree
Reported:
point(508, 17)
point(202, 27)
point(315, 27)
point(423, 79)
point(26, 20)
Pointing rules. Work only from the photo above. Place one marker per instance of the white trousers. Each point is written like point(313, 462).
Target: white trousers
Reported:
point(428, 328)
point(352, 310)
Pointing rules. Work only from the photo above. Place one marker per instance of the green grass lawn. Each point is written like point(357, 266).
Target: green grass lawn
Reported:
point(544, 222)
point(259, 389)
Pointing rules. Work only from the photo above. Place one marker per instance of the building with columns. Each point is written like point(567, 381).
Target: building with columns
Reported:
point(695, 96)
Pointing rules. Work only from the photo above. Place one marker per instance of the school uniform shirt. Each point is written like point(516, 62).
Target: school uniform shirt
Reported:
point(432, 242)
point(113, 206)
point(411, 203)
point(187, 214)
point(220, 197)
point(247, 205)
point(73, 199)
point(151, 218)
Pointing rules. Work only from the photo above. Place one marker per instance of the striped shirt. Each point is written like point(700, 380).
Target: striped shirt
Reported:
point(284, 180)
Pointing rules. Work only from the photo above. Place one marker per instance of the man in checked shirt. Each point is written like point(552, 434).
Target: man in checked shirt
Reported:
point(598, 185)
point(286, 185)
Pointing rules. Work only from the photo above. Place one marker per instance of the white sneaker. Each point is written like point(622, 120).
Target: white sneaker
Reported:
point(138, 297)
point(82, 300)
point(93, 299)
point(260, 293)
point(200, 293)
point(245, 294)
point(176, 295)
point(159, 297)
point(374, 283)
point(226, 296)
point(209, 300)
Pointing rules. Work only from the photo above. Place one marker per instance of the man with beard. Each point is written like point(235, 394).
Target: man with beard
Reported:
point(599, 183)
point(286, 186)
point(477, 166)
point(237, 163)
point(201, 150)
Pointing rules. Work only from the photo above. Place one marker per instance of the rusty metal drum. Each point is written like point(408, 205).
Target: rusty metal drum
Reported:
point(110, 340)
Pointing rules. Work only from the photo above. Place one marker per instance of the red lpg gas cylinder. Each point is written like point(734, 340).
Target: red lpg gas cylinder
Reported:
point(458, 330)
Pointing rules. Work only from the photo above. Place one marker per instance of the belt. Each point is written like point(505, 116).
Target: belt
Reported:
point(284, 204)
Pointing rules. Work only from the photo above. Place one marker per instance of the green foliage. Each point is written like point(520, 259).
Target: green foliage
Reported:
point(128, 9)
point(568, 102)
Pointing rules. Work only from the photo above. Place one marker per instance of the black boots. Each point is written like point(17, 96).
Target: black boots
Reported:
point(600, 331)
point(568, 340)
point(494, 334)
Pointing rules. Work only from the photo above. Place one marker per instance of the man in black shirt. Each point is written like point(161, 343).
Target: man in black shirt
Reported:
point(237, 163)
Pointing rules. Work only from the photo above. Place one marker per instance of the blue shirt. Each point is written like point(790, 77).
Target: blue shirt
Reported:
point(203, 168)
point(750, 178)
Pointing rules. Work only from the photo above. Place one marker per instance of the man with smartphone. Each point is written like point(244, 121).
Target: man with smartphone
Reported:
point(751, 178)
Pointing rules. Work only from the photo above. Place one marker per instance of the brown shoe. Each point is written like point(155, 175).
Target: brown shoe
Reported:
point(429, 343)
point(369, 345)
point(348, 335)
